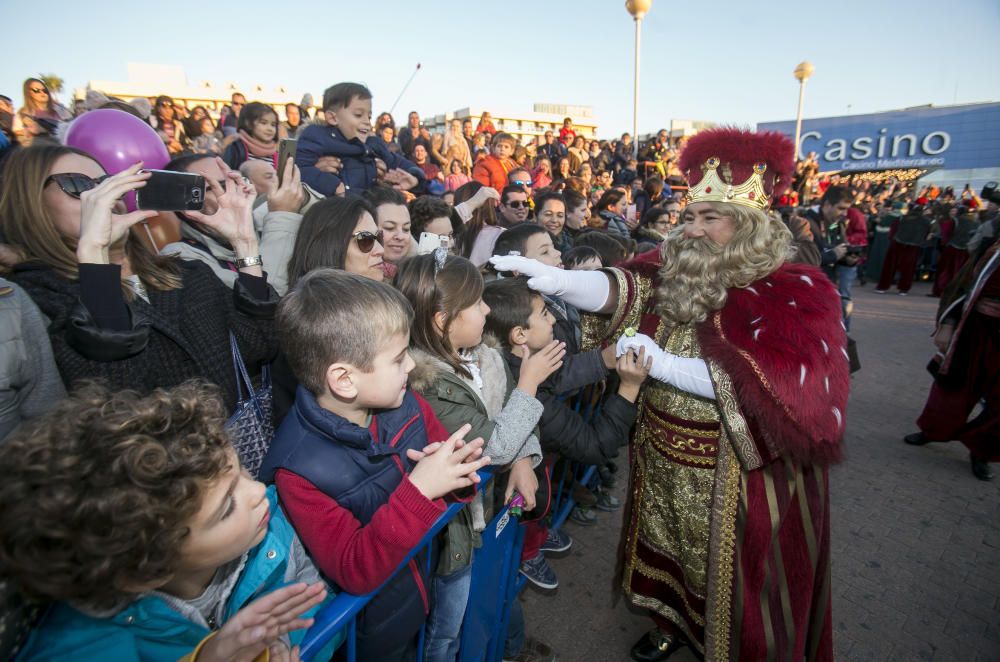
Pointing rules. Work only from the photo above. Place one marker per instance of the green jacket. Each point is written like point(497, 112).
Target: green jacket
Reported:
point(510, 434)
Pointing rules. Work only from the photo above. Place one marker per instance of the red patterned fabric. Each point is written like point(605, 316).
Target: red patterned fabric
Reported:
point(782, 342)
point(782, 581)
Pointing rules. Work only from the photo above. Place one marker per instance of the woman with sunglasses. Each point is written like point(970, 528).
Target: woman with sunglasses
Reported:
point(117, 311)
point(339, 233)
point(40, 112)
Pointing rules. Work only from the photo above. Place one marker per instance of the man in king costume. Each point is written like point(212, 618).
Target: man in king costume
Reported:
point(967, 367)
point(727, 537)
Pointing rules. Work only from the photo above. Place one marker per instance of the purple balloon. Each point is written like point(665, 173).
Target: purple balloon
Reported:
point(118, 141)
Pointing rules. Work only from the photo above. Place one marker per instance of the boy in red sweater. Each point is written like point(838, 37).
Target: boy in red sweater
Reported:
point(492, 171)
point(567, 134)
point(353, 462)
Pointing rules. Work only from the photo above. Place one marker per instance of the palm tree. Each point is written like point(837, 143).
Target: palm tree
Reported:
point(53, 82)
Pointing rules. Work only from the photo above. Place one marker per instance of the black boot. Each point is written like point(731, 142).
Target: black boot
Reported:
point(916, 439)
point(656, 645)
point(980, 468)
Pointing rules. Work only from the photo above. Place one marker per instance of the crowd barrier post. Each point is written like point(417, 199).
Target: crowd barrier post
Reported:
point(494, 573)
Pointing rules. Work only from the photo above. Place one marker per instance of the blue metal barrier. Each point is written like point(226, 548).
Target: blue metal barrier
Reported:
point(502, 541)
point(494, 575)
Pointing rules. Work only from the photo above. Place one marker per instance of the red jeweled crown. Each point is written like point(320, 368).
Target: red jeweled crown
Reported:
point(737, 165)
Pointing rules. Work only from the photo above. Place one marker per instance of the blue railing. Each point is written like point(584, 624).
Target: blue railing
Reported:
point(496, 581)
point(343, 609)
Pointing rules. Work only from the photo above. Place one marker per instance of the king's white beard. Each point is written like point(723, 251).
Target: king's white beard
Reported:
point(693, 280)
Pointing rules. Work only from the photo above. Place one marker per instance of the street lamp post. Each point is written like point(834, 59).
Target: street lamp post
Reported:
point(638, 9)
point(802, 74)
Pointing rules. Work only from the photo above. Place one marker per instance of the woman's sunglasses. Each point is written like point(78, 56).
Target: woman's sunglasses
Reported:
point(37, 90)
point(366, 240)
point(74, 183)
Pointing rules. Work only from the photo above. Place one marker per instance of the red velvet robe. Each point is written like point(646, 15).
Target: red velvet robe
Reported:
point(967, 373)
point(777, 357)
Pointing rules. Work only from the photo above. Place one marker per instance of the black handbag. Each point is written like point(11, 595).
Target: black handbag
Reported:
point(852, 355)
point(251, 425)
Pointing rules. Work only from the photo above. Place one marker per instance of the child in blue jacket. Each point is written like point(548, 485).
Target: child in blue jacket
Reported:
point(344, 131)
point(133, 517)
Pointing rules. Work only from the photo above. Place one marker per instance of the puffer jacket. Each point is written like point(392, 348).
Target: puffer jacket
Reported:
point(614, 224)
point(492, 171)
point(360, 470)
point(180, 334)
point(29, 379)
point(358, 172)
point(160, 628)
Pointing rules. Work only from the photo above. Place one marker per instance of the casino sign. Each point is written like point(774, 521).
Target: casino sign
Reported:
point(950, 137)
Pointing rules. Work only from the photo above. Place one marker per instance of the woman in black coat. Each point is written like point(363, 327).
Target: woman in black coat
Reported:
point(117, 311)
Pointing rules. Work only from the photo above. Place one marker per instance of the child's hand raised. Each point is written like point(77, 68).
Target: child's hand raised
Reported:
point(632, 370)
point(449, 467)
point(536, 368)
point(417, 455)
point(400, 179)
point(258, 625)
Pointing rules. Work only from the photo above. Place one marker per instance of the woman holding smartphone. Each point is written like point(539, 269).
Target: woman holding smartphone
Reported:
point(117, 311)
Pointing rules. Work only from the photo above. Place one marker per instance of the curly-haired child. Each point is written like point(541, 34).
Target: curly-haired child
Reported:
point(132, 516)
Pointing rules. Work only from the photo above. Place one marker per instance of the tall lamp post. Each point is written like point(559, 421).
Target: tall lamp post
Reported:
point(802, 74)
point(638, 9)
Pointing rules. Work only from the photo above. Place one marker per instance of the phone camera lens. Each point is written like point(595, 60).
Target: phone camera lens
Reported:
point(196, 194)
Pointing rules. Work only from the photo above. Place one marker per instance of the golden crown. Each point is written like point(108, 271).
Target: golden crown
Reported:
point(713, 188)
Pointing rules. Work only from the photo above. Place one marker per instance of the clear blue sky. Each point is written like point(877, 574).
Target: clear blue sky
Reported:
point(722, 61)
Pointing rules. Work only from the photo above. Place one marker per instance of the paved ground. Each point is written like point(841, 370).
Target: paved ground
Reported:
point(916, 539)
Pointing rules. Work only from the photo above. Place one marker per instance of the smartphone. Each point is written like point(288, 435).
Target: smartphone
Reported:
point(630, 213)
point(171, 191)
point(286, 152)
point(429, 242)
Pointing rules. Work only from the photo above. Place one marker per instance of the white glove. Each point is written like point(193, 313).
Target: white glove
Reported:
point(687, 374)
point(587, 290)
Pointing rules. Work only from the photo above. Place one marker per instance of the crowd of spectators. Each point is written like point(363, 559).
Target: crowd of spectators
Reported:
point(365, 265)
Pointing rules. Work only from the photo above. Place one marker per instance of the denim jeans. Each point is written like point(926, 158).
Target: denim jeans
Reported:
point(444, 625)
point(515, 630)
point(846, 276)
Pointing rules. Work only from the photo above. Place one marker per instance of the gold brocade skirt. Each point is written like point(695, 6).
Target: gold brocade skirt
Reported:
point(673, 477)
